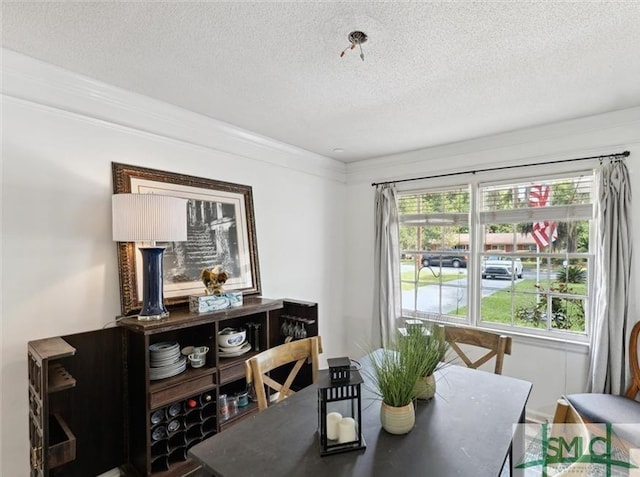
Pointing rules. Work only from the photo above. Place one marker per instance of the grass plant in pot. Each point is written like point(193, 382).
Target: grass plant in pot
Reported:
point(429, 345)
point(395, 371)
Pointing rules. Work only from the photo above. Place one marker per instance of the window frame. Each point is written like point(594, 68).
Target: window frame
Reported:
point(475, 185)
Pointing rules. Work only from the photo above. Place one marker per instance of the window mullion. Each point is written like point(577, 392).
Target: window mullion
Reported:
point(473, 276)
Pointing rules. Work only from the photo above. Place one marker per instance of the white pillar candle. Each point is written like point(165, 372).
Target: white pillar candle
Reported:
point(333, 420)
point(347, 432)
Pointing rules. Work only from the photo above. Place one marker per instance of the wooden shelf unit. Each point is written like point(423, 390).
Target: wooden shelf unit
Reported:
point(108, 401)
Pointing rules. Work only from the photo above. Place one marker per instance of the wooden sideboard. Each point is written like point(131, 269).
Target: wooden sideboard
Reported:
point(93, 407)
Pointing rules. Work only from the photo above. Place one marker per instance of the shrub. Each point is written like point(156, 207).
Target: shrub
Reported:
point(566, 314)
point(571, 274)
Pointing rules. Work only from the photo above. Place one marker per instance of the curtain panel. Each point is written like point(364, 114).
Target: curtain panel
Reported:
point(386, 296)
point(613, 315)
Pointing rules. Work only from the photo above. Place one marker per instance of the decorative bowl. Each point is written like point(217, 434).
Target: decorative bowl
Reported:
point(230, 337)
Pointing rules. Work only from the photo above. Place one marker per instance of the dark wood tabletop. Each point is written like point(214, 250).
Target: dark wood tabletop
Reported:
point(465, 430)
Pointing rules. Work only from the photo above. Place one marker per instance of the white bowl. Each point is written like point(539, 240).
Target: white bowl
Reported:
point(230, 337)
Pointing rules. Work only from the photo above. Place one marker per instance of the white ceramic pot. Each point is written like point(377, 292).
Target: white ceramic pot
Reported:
point(397, 420)
point(426, 387)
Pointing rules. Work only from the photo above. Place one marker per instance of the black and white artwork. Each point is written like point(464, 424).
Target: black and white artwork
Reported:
point(212, 239)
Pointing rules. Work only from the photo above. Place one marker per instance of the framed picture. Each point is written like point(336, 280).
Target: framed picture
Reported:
point(220, 230)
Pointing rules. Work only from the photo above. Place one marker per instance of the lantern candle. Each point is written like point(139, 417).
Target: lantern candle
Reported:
point(347, 430)
point(333, 421)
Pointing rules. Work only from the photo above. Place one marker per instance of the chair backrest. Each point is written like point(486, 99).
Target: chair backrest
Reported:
point(565, 413)
point(498, 345)
point(297, 352)
point(634, 387)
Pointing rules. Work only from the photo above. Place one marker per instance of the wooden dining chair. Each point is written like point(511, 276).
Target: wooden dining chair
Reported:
point(608, 408)
point(299, 352)
point(497, 345)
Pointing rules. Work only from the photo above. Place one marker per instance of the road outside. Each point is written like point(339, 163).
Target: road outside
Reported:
point(453, 293)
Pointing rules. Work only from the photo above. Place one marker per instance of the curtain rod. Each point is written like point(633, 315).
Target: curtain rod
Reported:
point(623, 154)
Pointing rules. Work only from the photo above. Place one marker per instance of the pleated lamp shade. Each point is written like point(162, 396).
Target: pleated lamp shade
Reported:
point(149, 218)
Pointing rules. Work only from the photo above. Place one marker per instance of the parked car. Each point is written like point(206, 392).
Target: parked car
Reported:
point(500, 266)
point(445, 258)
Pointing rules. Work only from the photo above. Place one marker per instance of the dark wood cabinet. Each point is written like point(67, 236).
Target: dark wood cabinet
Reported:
point(93, 406)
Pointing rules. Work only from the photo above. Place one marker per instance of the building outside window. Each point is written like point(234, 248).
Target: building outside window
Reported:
point(509, 255)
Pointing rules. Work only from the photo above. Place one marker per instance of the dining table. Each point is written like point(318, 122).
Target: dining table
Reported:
point(465, 430)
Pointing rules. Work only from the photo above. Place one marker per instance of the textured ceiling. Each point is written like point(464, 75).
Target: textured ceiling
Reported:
point(433, 73)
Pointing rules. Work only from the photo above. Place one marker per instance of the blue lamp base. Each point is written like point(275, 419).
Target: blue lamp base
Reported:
point(152, 297)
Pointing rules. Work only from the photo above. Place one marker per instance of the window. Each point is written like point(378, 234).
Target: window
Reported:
point(434, 239)
point(502, 255)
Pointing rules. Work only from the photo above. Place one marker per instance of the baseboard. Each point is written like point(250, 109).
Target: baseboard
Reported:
point(536, 417)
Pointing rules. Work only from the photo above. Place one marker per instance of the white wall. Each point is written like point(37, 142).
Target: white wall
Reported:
point(60, 134)
point(553, 368)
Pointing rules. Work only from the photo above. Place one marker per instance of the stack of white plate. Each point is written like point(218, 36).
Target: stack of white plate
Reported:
point(233, 351)
point(166, 360)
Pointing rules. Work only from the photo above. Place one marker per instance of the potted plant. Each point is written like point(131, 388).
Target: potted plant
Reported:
point(395, 373)
point(429, 347)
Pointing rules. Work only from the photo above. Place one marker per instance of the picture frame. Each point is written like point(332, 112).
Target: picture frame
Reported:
point(221, 231)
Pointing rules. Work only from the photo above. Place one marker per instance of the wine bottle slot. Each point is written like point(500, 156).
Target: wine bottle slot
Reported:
point(159, 432)
point(157, 416)
point(191, 404)
point(160, 464)
point(206, 398)
point(176, 409)
point(178, 454)
point(193, 417)
point(174, 425)
point(209, 410)
point(209, 424)
point(178, 439)
point(159, 448)
point(194, 433)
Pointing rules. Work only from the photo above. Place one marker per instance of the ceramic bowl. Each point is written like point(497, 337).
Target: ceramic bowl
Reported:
point(230, 337)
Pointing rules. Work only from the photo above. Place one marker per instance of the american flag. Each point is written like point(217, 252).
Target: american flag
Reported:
point(544, 232)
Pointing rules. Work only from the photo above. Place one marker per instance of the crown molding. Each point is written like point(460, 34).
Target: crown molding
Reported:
point(31, 80)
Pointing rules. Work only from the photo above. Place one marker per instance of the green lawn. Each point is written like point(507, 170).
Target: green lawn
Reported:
point(427, 277)
point(497, 307)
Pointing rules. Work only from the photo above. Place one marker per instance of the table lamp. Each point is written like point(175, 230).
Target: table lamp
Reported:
point(150, 218)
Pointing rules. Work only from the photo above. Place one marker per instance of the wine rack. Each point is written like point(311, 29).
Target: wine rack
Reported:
point(52, 441)
point(178, 426)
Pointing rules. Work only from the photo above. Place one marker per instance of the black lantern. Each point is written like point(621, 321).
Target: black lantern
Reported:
point(339, 408)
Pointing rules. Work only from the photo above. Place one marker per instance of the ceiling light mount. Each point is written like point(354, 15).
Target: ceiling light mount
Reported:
point(356, 38)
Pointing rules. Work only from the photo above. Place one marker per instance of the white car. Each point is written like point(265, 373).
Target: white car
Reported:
point(499, 266)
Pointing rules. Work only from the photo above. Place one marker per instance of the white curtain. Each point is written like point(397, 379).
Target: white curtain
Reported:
point(613, 308)
point(386, 296)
